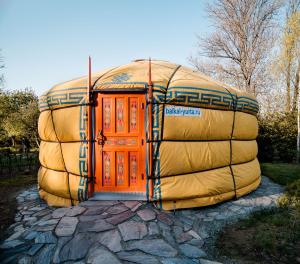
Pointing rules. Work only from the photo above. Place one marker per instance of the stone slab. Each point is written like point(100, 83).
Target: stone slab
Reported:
point(100, 255)
point(117, 219)
point(76, 210)
point(45, 238)
point(60, 212)
point(66, 226)
point(117, 209)
point(191, 251)
point(45, 255)
point(157, 247)
point(77, 247)
point(111, 239)
point(132, 230)
point(95, 226)
point(138, 257)
point(146, 214)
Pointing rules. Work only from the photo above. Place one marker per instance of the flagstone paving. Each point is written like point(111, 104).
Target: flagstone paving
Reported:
point(122, 231)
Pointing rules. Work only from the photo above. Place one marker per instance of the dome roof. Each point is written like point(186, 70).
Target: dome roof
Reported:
point(172, 83)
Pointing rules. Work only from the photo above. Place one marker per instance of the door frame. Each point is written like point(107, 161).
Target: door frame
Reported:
point(116, 91)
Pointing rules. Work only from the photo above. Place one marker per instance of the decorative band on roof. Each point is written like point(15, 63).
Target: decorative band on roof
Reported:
point(247, 105)
point(211, 98)
point(115, 85)
point(62, 98)
point(184, 95)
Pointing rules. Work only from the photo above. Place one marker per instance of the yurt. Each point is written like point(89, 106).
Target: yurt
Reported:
point(148, 130)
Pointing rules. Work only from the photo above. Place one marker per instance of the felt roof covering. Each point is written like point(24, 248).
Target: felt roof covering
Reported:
point(172, 83)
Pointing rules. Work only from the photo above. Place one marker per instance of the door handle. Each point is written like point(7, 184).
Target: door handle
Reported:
point(100, 137)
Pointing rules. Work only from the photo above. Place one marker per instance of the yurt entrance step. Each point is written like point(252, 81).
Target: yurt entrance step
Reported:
point(122, 196)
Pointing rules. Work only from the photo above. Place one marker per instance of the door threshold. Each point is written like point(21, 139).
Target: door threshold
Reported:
point(122, 196)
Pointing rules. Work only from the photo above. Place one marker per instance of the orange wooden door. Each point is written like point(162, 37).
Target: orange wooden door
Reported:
point(120, 150)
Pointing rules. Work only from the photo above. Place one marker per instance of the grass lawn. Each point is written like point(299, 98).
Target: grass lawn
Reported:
point(269, 236)
point(266, 237)
point(9, 188)
point(281, 173)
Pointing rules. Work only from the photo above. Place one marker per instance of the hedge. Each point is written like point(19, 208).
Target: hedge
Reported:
point(277, 138)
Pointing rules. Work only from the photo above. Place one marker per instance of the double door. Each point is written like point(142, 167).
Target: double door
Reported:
point(120, 147)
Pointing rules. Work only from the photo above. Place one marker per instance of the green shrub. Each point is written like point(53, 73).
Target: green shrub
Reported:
point(292, 196)
point(5, 150)
point(277, 137)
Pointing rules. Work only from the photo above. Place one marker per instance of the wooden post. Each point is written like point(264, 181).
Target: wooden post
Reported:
point(90, 130)
point(150, 95)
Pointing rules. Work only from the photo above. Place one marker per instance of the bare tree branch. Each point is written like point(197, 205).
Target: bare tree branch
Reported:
point(242, 40)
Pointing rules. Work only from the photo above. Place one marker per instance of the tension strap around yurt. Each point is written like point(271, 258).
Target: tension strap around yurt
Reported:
point(230, 165)
point(155, 165)
point(63, 160)
point(234, 102)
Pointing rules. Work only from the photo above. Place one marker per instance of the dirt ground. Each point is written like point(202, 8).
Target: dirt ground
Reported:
point(9, 189)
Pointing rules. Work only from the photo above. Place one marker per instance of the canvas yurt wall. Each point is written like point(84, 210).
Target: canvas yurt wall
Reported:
point(203, 136)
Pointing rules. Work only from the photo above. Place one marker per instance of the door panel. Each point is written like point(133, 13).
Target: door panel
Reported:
point(120, 150)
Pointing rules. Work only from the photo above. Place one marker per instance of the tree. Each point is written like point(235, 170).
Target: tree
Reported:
point(14, 127)
point(18, 116)
point(292, 39)
point(1, 74)
point(29, 115)
point(288, 62)
point(298, 127)
point(4, 112)
point(238, 48)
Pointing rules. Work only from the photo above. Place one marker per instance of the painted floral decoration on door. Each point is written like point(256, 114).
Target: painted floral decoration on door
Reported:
point(107, 113)
point(120, 167)
point(106, 167)
point(120, 114)
point(133, 112)
point(133, 167)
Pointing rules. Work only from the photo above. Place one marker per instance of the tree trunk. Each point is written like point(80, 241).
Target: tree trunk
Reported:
point(297, 83)
point(37, 142)
point(288, 88)
point(298, 136)
point(296, 88)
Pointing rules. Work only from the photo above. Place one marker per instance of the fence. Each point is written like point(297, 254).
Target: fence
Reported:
point(18, 163)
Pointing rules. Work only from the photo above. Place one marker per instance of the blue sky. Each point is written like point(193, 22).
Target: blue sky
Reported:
point(47, 42)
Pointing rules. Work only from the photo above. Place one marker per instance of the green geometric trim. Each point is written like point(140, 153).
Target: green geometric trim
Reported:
point(62, 97)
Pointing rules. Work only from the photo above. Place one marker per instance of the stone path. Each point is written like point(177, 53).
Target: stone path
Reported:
point(122, 231)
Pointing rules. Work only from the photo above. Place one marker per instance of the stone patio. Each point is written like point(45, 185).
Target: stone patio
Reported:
point(123, 231)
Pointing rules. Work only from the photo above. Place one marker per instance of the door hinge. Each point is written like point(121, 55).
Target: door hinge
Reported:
point(142, 176)
point(142, 142)
point(142, 105)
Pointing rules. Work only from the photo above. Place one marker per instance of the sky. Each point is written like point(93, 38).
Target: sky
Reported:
point(47, 42)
